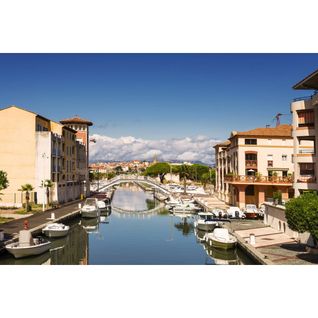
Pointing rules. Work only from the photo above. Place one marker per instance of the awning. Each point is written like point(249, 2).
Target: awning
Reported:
point(277, 169)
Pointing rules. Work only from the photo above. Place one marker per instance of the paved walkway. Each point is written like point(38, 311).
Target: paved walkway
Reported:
point(274, 247)
point(211, 202)
point(13, 227)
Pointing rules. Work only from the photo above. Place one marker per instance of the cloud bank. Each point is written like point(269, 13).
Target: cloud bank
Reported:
point(199, 148)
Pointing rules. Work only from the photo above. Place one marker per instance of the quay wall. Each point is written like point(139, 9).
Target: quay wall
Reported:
point(275, 218)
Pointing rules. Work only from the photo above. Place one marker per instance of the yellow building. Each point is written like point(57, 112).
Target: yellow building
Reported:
point(33, 149)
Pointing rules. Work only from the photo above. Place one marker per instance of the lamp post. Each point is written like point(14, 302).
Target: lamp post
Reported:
point(44, 156)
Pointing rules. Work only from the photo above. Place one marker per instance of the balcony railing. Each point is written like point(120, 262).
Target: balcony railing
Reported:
point(307, 151)
point(250, 164)
point(307, 179)
point(258, 179)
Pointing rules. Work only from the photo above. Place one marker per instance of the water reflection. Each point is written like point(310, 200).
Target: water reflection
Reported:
point(126, 237)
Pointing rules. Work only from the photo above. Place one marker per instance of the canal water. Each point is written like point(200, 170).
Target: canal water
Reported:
point(138, 231)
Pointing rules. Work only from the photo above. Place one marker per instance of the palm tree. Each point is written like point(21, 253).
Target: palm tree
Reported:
point(27, 188)
point(185, 173)
point(48, 185)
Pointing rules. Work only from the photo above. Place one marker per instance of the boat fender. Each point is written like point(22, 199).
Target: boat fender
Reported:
point(26, 225)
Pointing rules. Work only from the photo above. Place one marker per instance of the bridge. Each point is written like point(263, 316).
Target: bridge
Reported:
point(133, 178)
point(141, 213)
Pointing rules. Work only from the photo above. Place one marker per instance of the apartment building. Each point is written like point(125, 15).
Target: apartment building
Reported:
point(33, 149)
point(305, 133)
point(252, 165)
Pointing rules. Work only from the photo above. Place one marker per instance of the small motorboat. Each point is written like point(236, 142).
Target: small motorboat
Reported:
point(221, 238)
point(251, 211)
point(205, 222)
point(186, 207)
point(56, 230)
point(102, 206)
point(172, 202)
point(27, 245)
point(90, 208)
point(235, 212)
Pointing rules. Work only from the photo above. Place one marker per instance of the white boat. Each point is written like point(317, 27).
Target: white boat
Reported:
point(205, 222)
point(251, 211)
point(221, 238)
point(235, 212)
point(28, 246)
point(56, 230)
point(186, 207)
point(90, 208)
point(172, 202)
point(219, 213)
point(102, 206)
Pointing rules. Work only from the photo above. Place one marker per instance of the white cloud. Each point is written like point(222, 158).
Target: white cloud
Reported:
point(199, 148)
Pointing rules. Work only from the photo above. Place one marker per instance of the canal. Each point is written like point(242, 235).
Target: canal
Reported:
point(138, 231)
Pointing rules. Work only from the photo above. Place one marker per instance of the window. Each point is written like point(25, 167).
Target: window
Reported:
point(306, 118)
point(250, 156)
point(250, 141)
point(284, 157)
point(270, 163)
point(307, 169)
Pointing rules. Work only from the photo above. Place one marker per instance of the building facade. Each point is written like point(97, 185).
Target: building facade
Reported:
point(305, 133)
point(34, 149)
point(252, 165)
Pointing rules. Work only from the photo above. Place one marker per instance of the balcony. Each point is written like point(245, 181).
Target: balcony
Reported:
point(306, 151)
point(259, 179)
point(251, 164)
point(307, 179)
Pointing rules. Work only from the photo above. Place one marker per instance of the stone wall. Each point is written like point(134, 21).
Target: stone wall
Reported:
point(275, 218)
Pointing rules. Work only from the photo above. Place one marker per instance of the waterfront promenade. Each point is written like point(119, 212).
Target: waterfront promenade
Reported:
point(271, 246)
point(38, 220)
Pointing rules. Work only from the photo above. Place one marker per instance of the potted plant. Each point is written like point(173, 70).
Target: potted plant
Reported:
point(277, 197)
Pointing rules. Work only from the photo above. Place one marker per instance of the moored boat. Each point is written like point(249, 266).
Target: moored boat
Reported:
point(56, 230)
point(251, 211)
point(90, 208)
point(221, 238)
point(206, 222)
point(28, 246)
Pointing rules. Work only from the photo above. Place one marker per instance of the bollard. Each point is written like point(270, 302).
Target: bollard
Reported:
point(53, 216)
point(1, 235)
point(252, 239)
point(79, 205)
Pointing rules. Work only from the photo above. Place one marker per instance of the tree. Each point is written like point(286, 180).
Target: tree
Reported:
point(4, 183)
point(48, 185)
point(302, 214)
point(185, 172)
point(118, 169)
point(27, 188)
point(158, 169)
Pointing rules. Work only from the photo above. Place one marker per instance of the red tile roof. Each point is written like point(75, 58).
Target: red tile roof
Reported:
point(76, 120)
point(279, 131)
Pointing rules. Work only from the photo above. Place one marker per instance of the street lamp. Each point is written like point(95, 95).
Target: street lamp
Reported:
point(44, 156)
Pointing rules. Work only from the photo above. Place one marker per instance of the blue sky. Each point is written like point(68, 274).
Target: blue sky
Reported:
point(156, 95)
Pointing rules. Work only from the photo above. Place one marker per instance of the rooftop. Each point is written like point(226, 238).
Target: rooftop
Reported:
point(309, 82)
point(279, 131)
point(76, 120)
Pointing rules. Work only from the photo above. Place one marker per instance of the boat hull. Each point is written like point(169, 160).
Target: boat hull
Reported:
point(20, 252)
point(207, 227)
point(55, 233)
point(90, 214)
point(222, 245)
point(251, 215)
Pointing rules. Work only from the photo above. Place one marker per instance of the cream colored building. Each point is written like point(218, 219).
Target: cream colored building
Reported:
point(252, 165)
point(33, 149)
point(305, 132)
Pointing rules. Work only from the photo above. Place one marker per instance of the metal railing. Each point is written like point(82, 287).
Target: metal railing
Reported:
point(251, 163)
point(306, 179)
point(259, 179)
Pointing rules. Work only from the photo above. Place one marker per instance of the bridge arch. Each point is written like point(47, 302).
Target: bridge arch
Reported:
point(132, 178)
